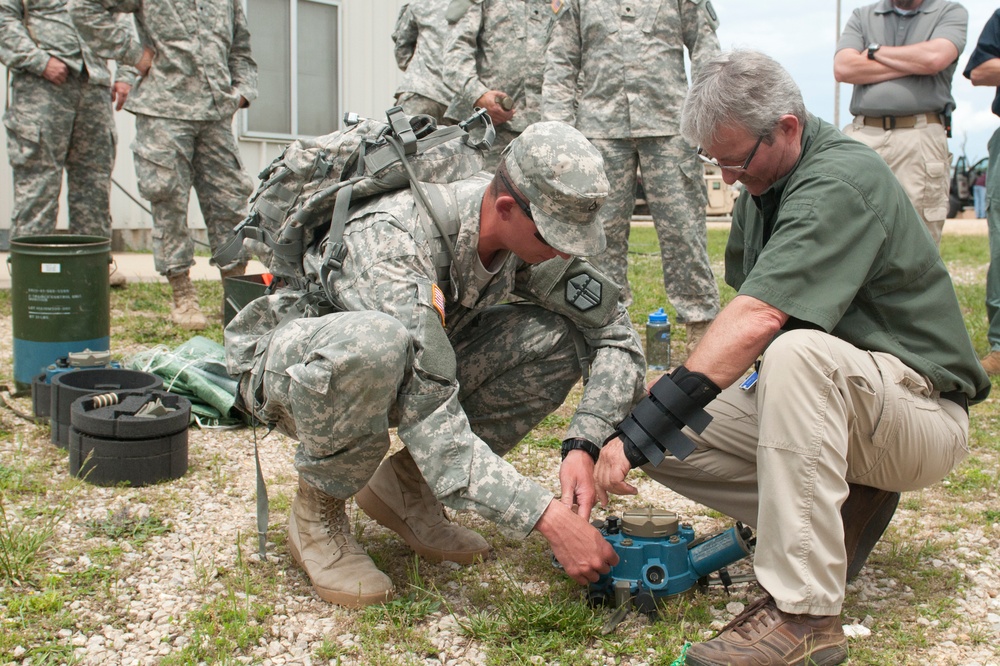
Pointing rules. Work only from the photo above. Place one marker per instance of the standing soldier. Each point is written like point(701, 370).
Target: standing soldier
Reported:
point(59, 118)
point(197, 70)
point(617, 73)
point(493, 62)
point(420, 36)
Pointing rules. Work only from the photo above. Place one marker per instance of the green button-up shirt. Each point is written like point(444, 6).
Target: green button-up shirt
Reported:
point(835, 244)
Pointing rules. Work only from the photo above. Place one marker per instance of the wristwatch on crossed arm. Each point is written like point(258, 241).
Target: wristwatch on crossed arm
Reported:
point(872, 48)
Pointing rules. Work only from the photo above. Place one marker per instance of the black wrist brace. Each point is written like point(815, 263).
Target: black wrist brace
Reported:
point(654, 426)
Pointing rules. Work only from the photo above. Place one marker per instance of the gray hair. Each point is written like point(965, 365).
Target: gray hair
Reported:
point(744, 88)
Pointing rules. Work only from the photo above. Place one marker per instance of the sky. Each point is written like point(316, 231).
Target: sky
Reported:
point(803, 36)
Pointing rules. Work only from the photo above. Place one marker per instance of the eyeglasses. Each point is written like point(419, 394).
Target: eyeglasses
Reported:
point(512, 191)
point(704, 157)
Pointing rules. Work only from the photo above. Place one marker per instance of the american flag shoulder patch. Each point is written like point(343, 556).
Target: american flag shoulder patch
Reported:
point(437, 296)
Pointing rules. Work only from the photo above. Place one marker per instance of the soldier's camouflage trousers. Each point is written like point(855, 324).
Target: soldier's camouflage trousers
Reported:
point(172, 155)
point(54, 127)
point(675, 191)
point(415, 103)
point(333, 383)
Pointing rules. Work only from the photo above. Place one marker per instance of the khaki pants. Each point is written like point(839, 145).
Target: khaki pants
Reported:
point(780, 456)
point(919, 158)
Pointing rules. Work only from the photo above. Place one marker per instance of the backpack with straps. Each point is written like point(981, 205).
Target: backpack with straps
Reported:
point(306, 192)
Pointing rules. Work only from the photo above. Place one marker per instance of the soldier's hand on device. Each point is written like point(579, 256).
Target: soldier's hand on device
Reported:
point(576, 480)
point(610, 472)
point(56, 71)
point(581, 550)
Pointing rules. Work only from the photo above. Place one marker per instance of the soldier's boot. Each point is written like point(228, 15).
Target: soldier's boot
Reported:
point(186, 312)
point(398, 498)
point(319, 537)
point(695, 332)
point(116, 279)
point(235, 271)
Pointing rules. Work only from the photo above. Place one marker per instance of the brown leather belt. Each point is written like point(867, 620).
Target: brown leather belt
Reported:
point(958, 398)
point(901, 122)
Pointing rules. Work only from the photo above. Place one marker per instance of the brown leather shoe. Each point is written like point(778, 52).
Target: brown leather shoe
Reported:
point(866, 513)
point(762, 635)
point(991, 363)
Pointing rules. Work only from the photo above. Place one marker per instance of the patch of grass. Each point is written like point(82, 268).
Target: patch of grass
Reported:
point(140, 313)
point(20, 472)
point(399, 623)
point(973, 477)
point(122, 524)
point(329, 651)
point(31, 619)
point(518, 626)
point(645, 274)
point(222, 629)
point(552, 442)
point(555, 420)
point(22, 541)
point(960, 251)
point(100, 579)
point(231, 624)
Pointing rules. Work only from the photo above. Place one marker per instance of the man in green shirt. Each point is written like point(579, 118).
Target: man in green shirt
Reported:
point(866, 375)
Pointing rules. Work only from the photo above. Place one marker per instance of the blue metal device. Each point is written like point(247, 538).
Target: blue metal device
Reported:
point(41, 397)
point(79, 360)
point(660, 557)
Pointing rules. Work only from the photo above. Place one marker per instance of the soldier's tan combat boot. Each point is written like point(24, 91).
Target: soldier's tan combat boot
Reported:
point(695, 332)
point(186, 312)
point(117, 279)
point(398, 498)
point(319, 536)
point(235, 271)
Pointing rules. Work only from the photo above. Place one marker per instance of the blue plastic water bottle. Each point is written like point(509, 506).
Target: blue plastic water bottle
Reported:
point(658, 341)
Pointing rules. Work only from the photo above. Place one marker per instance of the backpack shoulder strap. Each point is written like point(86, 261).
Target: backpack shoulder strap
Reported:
point(441, 235)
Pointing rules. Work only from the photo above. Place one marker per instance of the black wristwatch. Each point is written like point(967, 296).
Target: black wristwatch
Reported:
point(872, 48)
point(578, 443)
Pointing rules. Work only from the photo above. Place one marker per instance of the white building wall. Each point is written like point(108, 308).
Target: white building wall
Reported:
point(368, 76)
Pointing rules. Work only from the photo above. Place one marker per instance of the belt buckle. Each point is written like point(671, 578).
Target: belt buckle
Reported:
point(888, 123)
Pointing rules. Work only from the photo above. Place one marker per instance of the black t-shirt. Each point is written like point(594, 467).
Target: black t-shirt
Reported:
point(987, 48)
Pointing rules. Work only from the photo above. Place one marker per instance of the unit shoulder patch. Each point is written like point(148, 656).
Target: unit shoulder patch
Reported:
point(584, 292)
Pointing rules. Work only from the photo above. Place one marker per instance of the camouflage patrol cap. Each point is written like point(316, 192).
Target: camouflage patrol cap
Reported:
point(561, 175)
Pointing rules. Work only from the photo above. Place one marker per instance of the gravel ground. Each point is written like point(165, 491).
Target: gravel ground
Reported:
point(146, 611)
point(211, 515)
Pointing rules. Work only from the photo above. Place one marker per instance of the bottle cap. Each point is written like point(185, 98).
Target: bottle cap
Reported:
point(658, 317)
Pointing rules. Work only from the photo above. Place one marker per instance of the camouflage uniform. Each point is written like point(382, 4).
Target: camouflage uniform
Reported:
point(499, 45)
point(463, 376)
point(184, 109)
point(420, 36)
point(53, 127)
point(616, 72)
